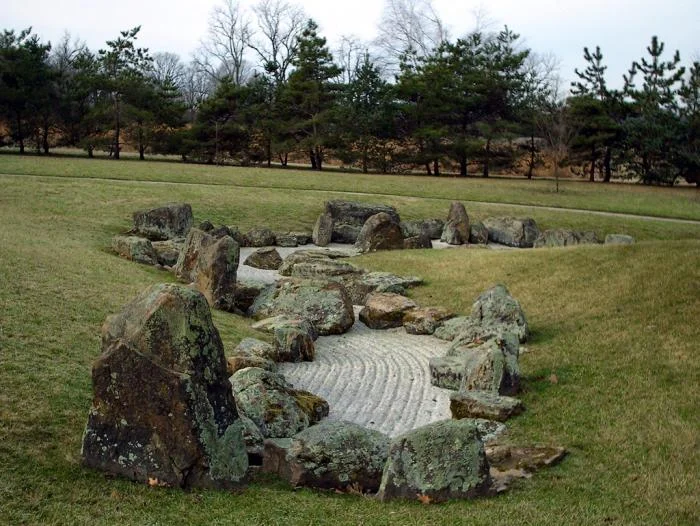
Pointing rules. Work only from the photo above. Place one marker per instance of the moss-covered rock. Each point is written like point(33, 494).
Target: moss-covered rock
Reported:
point(315, 407)
point(338, 455)
point(484, 404)
point(513, 232)
point(456, 230)
point(563, 238)
point(266, 258)
point(323, 230)
point(380, 232)
point(162, 406)
point(496, 308)
point(165, 222)
point(425, 320)
point(478, 233)
point(441, 461)
point(385, 310)
point(349, 217)
point(135, 248)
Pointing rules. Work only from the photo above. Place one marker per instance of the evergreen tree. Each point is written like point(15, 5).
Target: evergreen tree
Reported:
point(688, 153)
point(652, 132)
point(310, 95)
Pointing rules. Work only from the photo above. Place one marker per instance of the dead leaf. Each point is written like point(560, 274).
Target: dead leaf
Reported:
point(424, 499)
point(553, 379)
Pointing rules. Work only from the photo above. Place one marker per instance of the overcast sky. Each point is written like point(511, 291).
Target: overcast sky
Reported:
point(623, 28)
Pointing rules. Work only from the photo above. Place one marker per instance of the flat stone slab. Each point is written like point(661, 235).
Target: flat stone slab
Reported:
point(378, 379)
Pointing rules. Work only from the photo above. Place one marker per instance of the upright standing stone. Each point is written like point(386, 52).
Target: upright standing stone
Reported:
point(380, 232)
point(456, 231)
point(323, 230)
point(162, 410)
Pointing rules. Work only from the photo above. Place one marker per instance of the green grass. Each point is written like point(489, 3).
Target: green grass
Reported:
point(617, 325)
point(681, 202)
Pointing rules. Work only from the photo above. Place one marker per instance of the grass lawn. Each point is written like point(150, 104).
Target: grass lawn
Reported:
point(616, 325)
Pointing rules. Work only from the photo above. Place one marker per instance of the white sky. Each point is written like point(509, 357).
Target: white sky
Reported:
point(623, 28)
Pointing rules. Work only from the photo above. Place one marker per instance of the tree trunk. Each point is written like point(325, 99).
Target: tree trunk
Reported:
point(117, 130)
point(20, 134)
point(268, 152)
point(608, 162)
point(594, 158)
point(91, 151)
point(319, 158)
point(427, 169)
point(436, 167)
point(364, 159)
point(531, 167)
point(487, 158)
point(312, 158)
point(463, 165)
point(45, 137)
point(142, 147)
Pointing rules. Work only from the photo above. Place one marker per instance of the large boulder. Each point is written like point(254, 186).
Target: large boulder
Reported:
point(135, 249)
point(360, 285)
point(321, 256)
point(245, 292)
point(162, 408)
point(211, 264)
point(264, 258)
point(294, 341)
point(478, 233)
point(380, 232)
point(338, 455)
point(259, 237)
point(484, 404)
point(251, 352)
point(425, 320)
point(456, 231)
point(441, 461)
point(384, 310)
point(431, 227)
point(511, 231)
point(563, 238)
point(323, 230)
point(268, 400)
point(165, 222)
point(325, 304)
point(618, 239)
point(497, 308)
point(490, 365)
point(349, 217)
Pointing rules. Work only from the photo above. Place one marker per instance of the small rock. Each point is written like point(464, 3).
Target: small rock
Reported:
point(260, 237)
point(275, 457)
point(264, 258)
point(236, 362)
point(484, 404)
point(432, 227)
point(206, 226)
point(360, 285)
point(167, 252)
point(478, 233)
point(294, 341)
point(315, 407)
point(564, 238)
point(286, 239)
point(456, 231)
point(512, 232)
point(417, 242)
point(384, 310)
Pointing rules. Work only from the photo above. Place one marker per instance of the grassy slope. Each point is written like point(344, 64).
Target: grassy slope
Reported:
point(663, 202)
point(615, 324)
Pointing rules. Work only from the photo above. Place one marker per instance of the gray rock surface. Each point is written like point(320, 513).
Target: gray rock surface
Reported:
point(337, 455)
point(165, 222)
point(432, 227)
point(380, 232)
point(360, 285)
point(564, 238)
point(167, 252)
point(259, 237)
point(418, 242)
point(325, 304)
point(425, 320)
point(497, 308)
point(323, 230)
point(484, 404)
point(135, 248)
point(478, 233)
point(349, 218)
point(511, 231)
point(456, 230)
point(384, 310)
point(162, 406)
point(618, 239)
point(440, 461)
point(265, 258)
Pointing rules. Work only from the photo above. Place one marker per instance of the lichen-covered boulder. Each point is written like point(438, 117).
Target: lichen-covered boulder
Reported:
point(320, 256)
point(259, 237)
point(478, 233)
point(497, 308)
point(338, 455)
point(253, 439)
point(267, 399)
point(425, 320)
point(271, 324)
point(360, 285)
point(165, 222)
point(211, 264)
point(315, 407)
point(441, 461)
point(264, 258)
point(323, 230)
point(324, 303)
point(418, 242)
point(322, 268)
point(618, 239)
point(487, 366)
point(484, 404)
point(251, 352)
point(135, 249)
point(286, 239)
point(563, 238)
point(380, 232)
point(349, 217)
point(456, 230)
point(384, 310)
point(294, 341)
point(167, 252)
point(431, 227)
point(451, 328)
point(511, 231)
point(162, 407)
point(245, 292)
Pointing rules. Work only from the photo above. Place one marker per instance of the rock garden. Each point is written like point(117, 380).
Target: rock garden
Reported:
point(356, 388)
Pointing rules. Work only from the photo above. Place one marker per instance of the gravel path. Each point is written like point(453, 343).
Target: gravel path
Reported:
point(379, 379)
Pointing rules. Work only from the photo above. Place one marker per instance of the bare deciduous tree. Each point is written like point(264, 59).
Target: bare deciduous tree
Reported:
point(409, 26)
point(279, 24)
point(167, 68)
point(350, 54)
point(196, 87)
point(222, 53)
